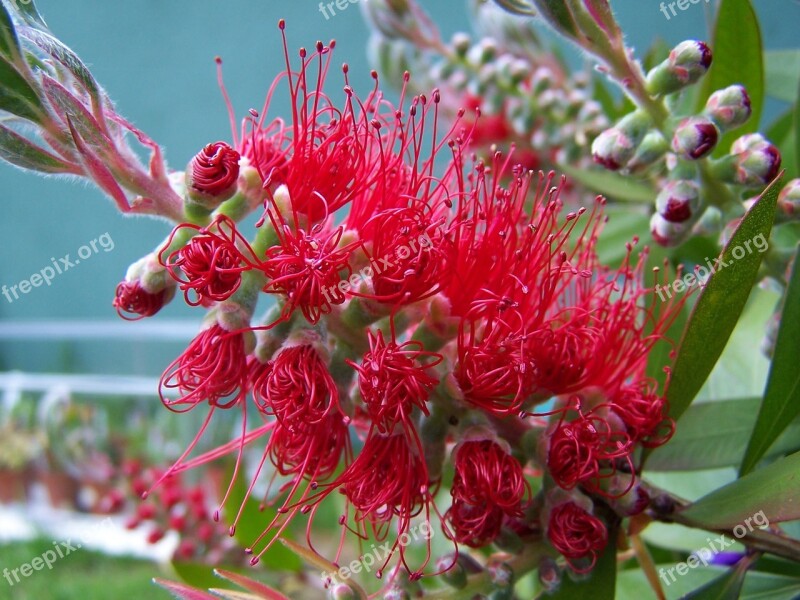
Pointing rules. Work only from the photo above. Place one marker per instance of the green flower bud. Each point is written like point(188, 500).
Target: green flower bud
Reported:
point(729, 108)
point(789, 199)
point(686, 64)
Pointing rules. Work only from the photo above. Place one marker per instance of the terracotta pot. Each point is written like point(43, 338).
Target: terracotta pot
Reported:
point(12, 485)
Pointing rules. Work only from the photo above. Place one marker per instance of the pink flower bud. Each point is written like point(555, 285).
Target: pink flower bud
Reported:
point(132, 299)
point(758, 162)
point(678, 201)
point(730, 107)
point(789, 198)
point(612, 149)
point(695, 138)
point(667, 233)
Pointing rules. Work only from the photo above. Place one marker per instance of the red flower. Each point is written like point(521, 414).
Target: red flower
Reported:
point(296, 387)
point(393, 380)
point(474, 525)
point(576, 449)
point(576, 534)
point(212, 369)
point(306, 267)
point(132, 299)
point(487, 487)
point(644, 413)
point(214, 171)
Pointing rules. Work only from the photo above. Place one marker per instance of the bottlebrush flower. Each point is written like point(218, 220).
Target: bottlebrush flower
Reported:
point(644, 413)
point(320, 155)
point(208, 269)
point(488, 486)
point(576, 534)
point(212, 369)
point(394, 379)
point(213, 174)
point(306, 265)
point(296, 387)
point(577, 449)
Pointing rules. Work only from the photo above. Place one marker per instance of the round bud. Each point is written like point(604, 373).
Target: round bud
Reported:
point(678, 201)
point(695, 138)
point(729, 107)
point(213, 175)
point(789, 198)
point(666, 233)
point(612, 149)
point(686, 64)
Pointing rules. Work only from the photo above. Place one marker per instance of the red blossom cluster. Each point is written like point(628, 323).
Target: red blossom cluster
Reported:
point(472, 297)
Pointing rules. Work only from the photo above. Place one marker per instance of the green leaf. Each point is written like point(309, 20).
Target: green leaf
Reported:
point(797, 135)
point(66, 57)
point(695, 446)
point(517, 7)
point(9, 44)
point(23, 153)
point(558, 15)
point(775, 490)
point(720, 303)
point(598, 585)
point(782, 74)
point(195, 574)
point(28, 13)
point(726, 587)
point(781, 403)
point(737, 59)
point(251, 585)
point(612, 185)
point(16, 94)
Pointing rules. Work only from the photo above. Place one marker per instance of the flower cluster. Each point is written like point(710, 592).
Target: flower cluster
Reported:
point(473, 306)
point(176, 507)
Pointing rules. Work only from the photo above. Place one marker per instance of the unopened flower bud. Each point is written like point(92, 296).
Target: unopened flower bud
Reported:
point(614, 147)
point(686, 64)
point(549, 574)
point(695, 138)
point(729, 107)
point(789, 199)
point(758, 166)
point(678, 201)
point(542, 80)
point(666, 233)
point(147, 288)
point(484, 52)
point(213, 175)
point(393, 18)
point(652, 149)
point(461, 43)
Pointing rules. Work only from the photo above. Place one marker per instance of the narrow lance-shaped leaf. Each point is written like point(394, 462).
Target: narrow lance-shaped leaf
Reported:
point(23, 153)
point(28, 13)
point(725, 587)
point(781, 403)
point(720, 304)
point(17, 96)
point(69, 60)
point(737, 60)
point(775, 490)
point(612, 185)
point(9, 44)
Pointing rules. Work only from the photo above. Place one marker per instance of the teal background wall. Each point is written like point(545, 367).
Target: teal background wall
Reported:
point(156, 60)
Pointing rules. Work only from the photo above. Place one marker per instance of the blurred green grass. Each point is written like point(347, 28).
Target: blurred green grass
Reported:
point(81, 575)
